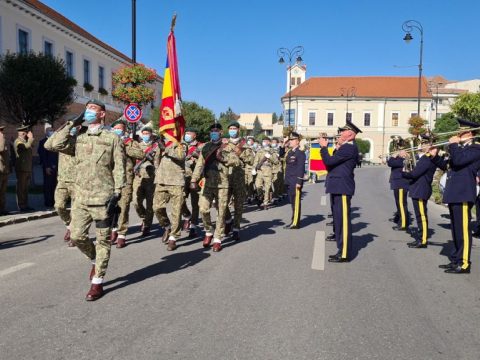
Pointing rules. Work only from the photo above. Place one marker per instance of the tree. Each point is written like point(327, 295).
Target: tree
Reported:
point(227, 117)
point(417, 126)
point(363, 145)
point(280, 119)
point(274, 118)
point(446, 123)
point(34, 87)
point(467, 106)
point(257, 128)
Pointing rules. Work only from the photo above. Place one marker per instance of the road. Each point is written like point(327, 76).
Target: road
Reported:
point(259, 298)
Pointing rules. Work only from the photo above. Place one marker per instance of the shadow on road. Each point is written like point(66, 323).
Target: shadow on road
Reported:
point(360, 242)
point(23, 241)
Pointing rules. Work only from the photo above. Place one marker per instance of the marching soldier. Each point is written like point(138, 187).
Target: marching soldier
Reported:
point(133, 152)
point(193, 147)
point(4, 170)
point(294, 172)
point(340, 184)
point(249, 179)
point(169, 184)
point(263, 164)
point(100, 177)
point(23, 147)
point(143, 184)
point(399, 185)
point(278, 173)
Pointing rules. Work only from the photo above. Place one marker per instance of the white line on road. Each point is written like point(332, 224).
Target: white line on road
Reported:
point(318, 261)
point(15, 268)
point(323, 200)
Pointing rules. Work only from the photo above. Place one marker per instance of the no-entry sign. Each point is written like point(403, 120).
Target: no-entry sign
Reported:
point(132, 113)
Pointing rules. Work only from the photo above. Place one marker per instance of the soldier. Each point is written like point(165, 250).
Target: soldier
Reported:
point(400, 186)
point(263, 164)
point(4, 170)
point(49, 162)
point(214, 168)
point(64, 192)
point(249, 178)
point(100, 177)
point(340, 184)
point(133, 153)
point(278, 173)
point(194, 148)
point(23, 147)
point(143, 184)
point(169, 185)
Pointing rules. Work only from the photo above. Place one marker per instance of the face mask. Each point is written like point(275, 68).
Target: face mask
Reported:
point(73, 131)
point(118, 132)
point(265, 144)
point(274, 146)
point(255, 146)
point(250, 143)
point(90, 116)
point(214, 136)
point(49, 133)
point(146, 138)
point(188, 138)
point(233, 133)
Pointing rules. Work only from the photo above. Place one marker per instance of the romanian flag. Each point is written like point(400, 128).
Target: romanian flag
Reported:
point(172, 123)
point(315, 163)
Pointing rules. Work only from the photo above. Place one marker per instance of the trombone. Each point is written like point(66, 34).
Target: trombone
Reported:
point(454, 132)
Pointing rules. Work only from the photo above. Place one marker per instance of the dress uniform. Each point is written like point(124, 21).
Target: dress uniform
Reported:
point(400, 186)
point(460, 193)
point(4, 170)
point(340, 184)
point(23, 147)
point(294, 172)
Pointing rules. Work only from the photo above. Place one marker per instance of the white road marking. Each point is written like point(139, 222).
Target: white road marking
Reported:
point(323, 200)
point(15, 268)
point(318, 261)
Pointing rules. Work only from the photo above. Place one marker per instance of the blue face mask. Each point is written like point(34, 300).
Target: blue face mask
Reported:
point(90, 116)
point(233, 133)
point(73, 131)
point(118, 132)
point(146, 138)
point(214, 136)
point(188, 138)
point(274, 146)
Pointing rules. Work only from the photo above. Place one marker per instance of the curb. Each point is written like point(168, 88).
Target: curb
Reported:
point(16, 219)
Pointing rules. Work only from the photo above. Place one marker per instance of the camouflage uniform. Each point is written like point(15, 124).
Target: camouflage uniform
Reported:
point(100, 171)
point(144, 189)
point(4, 170)
point(249, 178)
point(193, 152)
point(169, 184)
point(23, 169)
point(278, 176)
point(264, 168)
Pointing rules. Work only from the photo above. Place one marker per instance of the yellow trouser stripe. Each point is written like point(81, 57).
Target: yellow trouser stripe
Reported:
point(344, 225)
point(296, 212)
point(465, 235)
point(402, 209)
point(424, 221)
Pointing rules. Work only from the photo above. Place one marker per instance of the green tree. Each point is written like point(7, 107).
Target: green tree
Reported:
point(363, 145)
point(446, 123)
point(467, 106)
point(227, 117)
point(274, 118)
point(280, 119)
point(34, 87)
point(257, 128)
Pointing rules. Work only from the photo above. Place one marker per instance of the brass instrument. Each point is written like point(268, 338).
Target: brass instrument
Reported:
point(455, 132)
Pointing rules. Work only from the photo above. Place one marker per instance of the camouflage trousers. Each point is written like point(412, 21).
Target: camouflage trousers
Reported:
point(220, 196)
point(174, 195)
point(263, 183)
point(82, 218)
point(63, 195)
point(194, 198)
point(278, 184)
point(238, 193)
point(23, 183)
point(124, 205)
point(3, 190)
point(249, 181)
point(143, 190)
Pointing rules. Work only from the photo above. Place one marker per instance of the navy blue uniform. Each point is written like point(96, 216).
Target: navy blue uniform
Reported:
point(421, 178)
point(399, 185)
point(49, 160)
point(294, 172)
point(340, 184)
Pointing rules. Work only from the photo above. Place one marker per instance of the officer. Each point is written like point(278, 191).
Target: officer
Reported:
point(4, 170)
point(133, 152)
point(143, 184)
point(193, 148)
point(100, 177)
point(399, 185)
point(263, 164)
point(294, 171)
point(169, 188)
point(340, 184)
point(460, 193)
point(23, 148)
point(49, 162)
point(421, 178)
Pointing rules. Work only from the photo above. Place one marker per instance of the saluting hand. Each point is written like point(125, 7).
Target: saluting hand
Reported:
point(323, 142)
point(298, 186)
point(30, 135)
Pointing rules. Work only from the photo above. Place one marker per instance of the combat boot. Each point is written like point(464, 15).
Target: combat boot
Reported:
point(121, 242)
point(145, 230)
point(217, 247)
point(186, 224)
point(166, 235)
point(95, 293)
point(207, 240)
point(66, 238)
point(172, 245)
point(113, 237)
point(192, 233)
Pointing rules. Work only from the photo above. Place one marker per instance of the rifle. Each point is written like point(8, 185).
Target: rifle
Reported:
point(149, 156)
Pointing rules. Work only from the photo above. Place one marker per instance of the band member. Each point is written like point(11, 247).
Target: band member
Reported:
point(460, 193)
point(340, 184)
point(399, 185)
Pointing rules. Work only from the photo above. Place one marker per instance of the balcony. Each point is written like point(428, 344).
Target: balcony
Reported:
point(82, 96)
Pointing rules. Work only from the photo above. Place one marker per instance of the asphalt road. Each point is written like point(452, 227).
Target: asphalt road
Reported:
point(259, 298)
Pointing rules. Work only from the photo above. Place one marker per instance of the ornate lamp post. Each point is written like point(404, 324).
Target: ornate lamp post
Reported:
point(288, 56)
point(408, 27)
point(348, 93)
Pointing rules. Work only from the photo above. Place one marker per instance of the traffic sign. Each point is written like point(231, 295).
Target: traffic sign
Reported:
point(132, 113)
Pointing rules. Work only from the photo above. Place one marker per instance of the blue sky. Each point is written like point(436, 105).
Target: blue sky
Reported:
point(227, 49)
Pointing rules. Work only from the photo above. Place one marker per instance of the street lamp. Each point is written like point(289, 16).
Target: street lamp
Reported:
point(348, 93)
point(408, 27)
point(288, 56)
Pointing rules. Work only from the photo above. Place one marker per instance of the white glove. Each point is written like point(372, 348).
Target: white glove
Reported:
point(254, 172)
point(268, 156)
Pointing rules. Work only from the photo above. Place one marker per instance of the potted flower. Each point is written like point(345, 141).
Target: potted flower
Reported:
point(88, 87)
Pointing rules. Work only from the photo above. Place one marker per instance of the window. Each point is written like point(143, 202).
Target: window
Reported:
point(395, 119)
point(22, 41)
point(86, 71)
point(292, 81)
point(366, 119)
point(48, 48)
point(69, 63)
point(101, 77)
point(330, 119)
point(299, 81)
point(348, 116)
point(413, 114)
point(311, 118)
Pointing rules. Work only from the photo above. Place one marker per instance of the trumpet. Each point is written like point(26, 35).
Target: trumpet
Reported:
point(454, 132)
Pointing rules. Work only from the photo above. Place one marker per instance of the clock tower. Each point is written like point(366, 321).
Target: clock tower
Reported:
point(296, 75)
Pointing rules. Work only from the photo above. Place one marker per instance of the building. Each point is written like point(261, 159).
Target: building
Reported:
point(247, 121)
point(30, 25)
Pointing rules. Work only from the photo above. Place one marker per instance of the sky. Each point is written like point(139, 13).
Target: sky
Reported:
point(227, 50)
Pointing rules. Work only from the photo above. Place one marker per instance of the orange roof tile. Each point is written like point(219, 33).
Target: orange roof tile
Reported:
point(365, 86)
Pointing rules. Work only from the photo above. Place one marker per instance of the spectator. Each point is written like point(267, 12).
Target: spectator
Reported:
point(49, 162)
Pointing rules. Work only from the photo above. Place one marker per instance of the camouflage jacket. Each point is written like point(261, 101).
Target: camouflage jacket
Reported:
point(237, 171)
point(147, 169)
point(216, 172)
point(133, 152)
point(264, 165)
point(278, 167)
point(66, 162)
point(4, 156)
point(193, 153)
point(23, 154)
point(170, 165)
point(99, 163)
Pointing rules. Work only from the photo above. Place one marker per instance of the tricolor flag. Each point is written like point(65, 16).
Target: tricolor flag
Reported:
point(315, 163)
point(172, 123)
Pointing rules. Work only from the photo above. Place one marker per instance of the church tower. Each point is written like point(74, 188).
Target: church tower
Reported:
point(296, 75)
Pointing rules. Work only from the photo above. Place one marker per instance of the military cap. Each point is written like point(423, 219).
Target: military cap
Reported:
point(216, 126)
point(250, 137)
point(265, 137)
point(234, 123)
point(466, 126)
point(96, 102)
point(191, 129)
point(23, 128)
point(294, 136)
point(120, 121)
point(350, 126)
point(147, 128)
